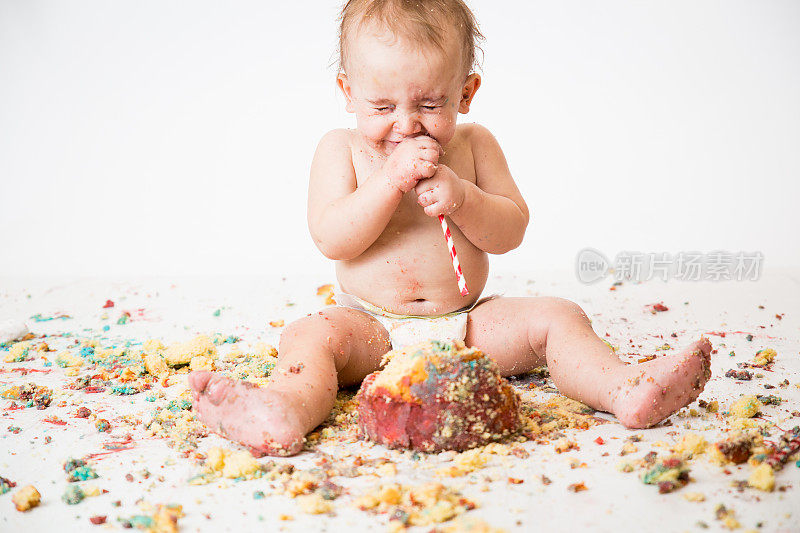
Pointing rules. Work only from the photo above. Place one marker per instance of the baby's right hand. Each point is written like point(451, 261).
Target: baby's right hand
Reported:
point(412, 160)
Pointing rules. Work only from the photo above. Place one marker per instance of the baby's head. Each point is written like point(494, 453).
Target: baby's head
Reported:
point(405, 67)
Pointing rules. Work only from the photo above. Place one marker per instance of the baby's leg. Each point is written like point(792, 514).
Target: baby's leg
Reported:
point(337, 346)
point(522, 333)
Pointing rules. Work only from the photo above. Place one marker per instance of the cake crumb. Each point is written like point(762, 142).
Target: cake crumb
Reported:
point(745, 407)
point(762, 478)
point(26, 498)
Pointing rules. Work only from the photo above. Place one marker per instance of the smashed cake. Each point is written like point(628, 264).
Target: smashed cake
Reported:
point(436, 396)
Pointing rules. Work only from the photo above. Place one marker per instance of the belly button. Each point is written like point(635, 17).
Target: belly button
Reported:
point(420, 300)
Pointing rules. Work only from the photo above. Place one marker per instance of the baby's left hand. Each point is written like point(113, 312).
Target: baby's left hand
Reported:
point(442, 193)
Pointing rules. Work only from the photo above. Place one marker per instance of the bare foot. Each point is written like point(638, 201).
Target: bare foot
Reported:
point(268, 422)
point(654, 390)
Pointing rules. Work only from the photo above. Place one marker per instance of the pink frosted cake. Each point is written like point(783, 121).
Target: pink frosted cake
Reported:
point(437, 396)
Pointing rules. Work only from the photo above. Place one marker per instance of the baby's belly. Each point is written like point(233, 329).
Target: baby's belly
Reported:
point(410, 272)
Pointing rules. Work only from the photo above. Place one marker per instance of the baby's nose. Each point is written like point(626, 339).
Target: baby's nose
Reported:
point(408, 124)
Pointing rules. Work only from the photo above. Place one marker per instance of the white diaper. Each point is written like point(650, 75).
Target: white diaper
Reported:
point(411, 329)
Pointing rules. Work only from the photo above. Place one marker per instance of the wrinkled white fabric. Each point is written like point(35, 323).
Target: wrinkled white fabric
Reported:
point(409, 329)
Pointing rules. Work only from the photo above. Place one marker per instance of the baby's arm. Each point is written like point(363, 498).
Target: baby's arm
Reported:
point(491, 212)
point(345, 218)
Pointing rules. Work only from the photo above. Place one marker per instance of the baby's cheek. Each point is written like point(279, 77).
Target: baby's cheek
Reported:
point(443, 129)
point(446, 119)
point(372, 127)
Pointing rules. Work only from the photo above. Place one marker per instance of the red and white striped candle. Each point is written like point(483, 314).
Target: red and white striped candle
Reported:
point(462, 284)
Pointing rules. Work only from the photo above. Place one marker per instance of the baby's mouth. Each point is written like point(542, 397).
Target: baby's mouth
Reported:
point(396, 141)
point(391, 145)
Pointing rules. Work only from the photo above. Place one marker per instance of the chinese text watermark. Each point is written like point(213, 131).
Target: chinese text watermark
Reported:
point(592, 266)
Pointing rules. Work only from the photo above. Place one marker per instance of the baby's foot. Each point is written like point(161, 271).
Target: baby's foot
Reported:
point(654, 390)
point(267, 421)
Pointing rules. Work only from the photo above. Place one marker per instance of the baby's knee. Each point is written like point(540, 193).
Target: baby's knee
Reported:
point(320, 328)
point(565, 310)
point(306, 329)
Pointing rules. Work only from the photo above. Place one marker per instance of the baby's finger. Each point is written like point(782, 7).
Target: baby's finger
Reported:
point(421, 165)
point(430, 143)
point(425, 199)
point(429, 154)
point(408, 182)
point(425, 168)
point(434, 209)
point(424, 186)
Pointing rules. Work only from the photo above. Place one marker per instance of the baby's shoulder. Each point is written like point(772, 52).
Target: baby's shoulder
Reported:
point(339, 138)
point(473, 135)
point(481, 144)
point(334, 150)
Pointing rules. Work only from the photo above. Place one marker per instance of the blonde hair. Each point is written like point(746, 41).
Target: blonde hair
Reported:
point(421, 21)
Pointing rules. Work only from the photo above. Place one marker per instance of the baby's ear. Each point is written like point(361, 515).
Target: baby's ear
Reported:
point(468, 92)
point(344, 86)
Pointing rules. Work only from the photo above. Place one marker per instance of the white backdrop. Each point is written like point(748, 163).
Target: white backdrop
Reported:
point(153, 137)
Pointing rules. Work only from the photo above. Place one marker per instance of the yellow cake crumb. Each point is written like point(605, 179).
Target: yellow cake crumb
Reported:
point(231, 464)
point(165, 519)
point(26, 498)
point(301, 483)
point(239, 464)
point(201, 362)
point(90, 490)
point(181, 353)
point(764, 357)
point(471, 459)
point(314, 504)
point(627, 448)
point(745, 407)
point(152, 345)
point(691, 445)
point(497, 448)
point(468, 461)
point(694, 496)
point(386, 470)
point(727, 516)
point(390, 494)
point(155, 364)
point(762, 478)
point(749, 423)
point(68, 359)
point(731, 523)
point(18, 352)
point(262, 349)
point(327, 291)
point(215, 458)
point(424, 505)
point(451, 471)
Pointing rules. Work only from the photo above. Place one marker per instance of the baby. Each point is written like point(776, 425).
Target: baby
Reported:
point(375, 195)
